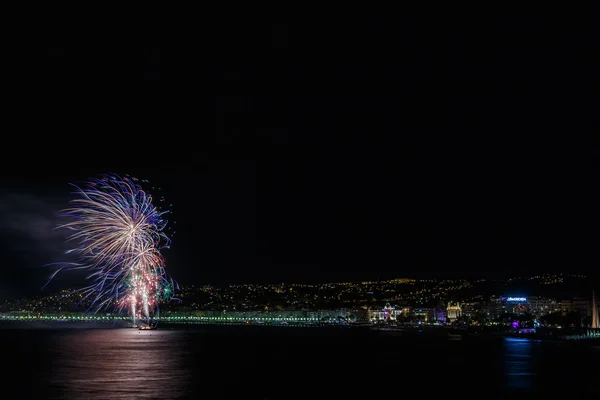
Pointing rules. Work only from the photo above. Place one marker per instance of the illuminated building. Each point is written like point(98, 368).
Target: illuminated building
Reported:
point(493, 308)
point(453, 312)
point(498, 306)
point(437, 314)
point(518, 305)
point(472, 310)
point(387, 313)
point(421, 313)
point(540, 306)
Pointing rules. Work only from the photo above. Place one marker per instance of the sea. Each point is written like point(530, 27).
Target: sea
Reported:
point(225, 362)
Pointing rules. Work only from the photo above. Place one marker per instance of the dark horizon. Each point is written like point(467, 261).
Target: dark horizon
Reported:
point(303, 154)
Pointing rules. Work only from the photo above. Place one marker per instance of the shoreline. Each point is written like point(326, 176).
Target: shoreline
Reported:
point(452, 334)
point(121, 324)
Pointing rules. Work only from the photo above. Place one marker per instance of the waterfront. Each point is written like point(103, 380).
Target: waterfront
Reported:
point(271, 363)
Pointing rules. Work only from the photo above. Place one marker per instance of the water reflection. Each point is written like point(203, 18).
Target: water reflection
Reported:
point(518, 363)
point(118, 364)
point(242, 362)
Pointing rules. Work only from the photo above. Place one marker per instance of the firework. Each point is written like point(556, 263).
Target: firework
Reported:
point(118, 235)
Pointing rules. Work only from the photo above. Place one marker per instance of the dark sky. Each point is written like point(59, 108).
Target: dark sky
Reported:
point(304, 153)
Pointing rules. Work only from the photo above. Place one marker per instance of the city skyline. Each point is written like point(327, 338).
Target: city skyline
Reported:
point(523, 304)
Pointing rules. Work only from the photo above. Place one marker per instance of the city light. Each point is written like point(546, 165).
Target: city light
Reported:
point(517, 299)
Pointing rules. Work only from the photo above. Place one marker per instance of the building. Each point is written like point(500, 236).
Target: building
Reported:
point(359, 315)
point(453, 312)
point(540, 306)
point(493, 308)
point(581, 306)
point(472, 310)
point(585, 308)
point(496, 307)
point(437, 314)
point(421, 314)
point(387, 313)
point(517, 305)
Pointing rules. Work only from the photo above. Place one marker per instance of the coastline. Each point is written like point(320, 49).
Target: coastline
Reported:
point(11, 325)
point(425, 332)
point(124, 324)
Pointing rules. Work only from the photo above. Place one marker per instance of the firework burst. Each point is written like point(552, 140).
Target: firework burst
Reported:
point(119, 234)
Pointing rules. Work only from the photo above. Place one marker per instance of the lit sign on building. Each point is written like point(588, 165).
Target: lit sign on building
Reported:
point(517, 299)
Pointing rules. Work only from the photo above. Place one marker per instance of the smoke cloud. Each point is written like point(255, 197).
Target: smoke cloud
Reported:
point(30, 241)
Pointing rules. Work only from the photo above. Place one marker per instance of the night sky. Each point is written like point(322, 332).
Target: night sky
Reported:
point(309, 154)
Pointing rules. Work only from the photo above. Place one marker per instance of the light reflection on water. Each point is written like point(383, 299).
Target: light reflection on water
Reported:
point(280, 363)
point(519, 363)
point(119, 364)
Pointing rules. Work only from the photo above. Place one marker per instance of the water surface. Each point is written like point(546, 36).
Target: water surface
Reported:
point(281, 363)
